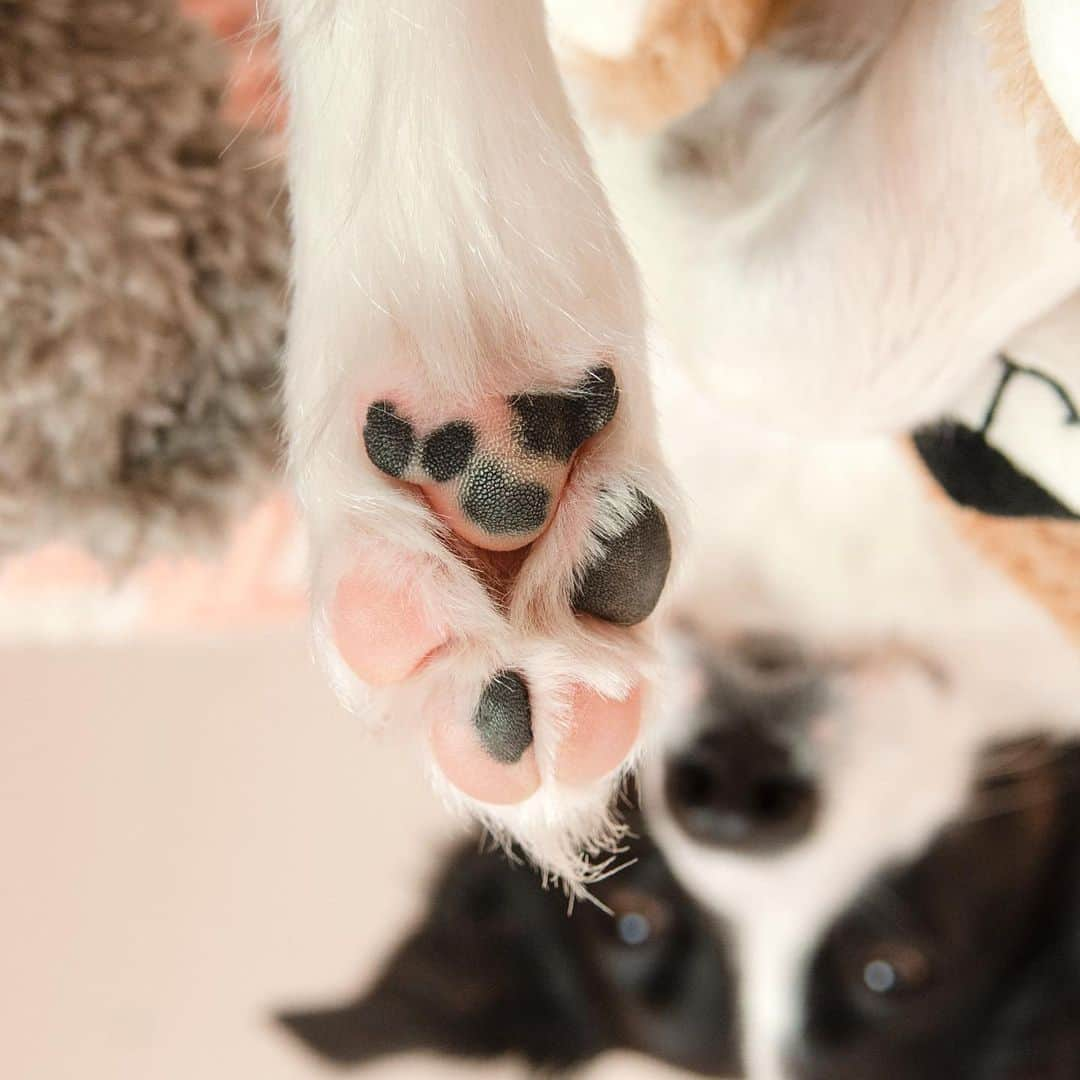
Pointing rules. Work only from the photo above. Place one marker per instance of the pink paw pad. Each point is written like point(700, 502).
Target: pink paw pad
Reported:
point(602, 732)
point(380, 625)
point(495, 476)
point(492, 757)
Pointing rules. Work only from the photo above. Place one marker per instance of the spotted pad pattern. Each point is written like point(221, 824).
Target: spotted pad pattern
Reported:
point(622, 586)
point(497, 491)
point(503, 717)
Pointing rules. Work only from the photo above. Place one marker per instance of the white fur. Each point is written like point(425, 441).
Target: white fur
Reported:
point(1053, 32)
point(451, 243)
point(869, 227)
point(604, 27)
point(836, 540)
point(845, 267)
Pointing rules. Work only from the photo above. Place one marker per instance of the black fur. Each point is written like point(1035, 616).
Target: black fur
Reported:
point(984, 931)
point(499, 967)
point(962, 964)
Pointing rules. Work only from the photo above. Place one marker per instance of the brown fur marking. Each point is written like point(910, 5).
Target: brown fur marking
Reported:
point(1041, 555)
point(684, 51)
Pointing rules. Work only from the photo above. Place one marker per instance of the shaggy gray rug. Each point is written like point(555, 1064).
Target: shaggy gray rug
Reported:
point(142, 278)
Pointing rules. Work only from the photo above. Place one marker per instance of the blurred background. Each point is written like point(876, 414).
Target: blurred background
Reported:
point(194, 834)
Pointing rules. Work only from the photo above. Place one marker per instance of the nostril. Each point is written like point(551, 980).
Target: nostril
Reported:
point(716, 802)
point(690, 785)
point(779, 799)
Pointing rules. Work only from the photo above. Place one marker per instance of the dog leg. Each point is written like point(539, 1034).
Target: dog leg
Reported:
point(471, 426)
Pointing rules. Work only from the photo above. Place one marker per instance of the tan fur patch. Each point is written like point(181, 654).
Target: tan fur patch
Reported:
point(1023, 91)
point(1041, 555)
point(684, 51)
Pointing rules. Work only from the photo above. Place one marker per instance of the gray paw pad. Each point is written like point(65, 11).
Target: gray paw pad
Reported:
point(555, 425)
point(388, 438)
point(503, 717)
point(624, 585)
point(499, 503)
point(447, 450)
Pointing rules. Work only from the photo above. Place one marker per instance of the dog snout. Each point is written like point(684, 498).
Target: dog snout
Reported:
point(737, 789)
point(741, 782)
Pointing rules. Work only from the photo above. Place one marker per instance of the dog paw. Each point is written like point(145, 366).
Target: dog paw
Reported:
point(488, 573)
point(471, 426)
point(495, 476)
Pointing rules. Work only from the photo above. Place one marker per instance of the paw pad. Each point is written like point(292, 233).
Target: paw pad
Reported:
point(555, 425)
point(447, 450)
point(499, 503)
point(493, 759)
point(623, 586)
point(389, 439)
point(503, 717)
point(496, 479)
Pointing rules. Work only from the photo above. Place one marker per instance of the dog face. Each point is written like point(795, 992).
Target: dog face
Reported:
point(844, 904)
point(964, 961)
point(498, 966)
point(899, 907)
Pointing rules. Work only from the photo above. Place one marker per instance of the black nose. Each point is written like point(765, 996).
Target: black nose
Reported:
point(738, 787)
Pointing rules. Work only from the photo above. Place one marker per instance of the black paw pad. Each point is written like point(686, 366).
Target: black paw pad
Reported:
point(503, 717)
point(388, 438)
point(624, 584)
point(499, 503)
point(447, 450)
point(555, 425)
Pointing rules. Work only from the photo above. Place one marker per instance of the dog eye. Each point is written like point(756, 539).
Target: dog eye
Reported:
point(633, 928)
point(895, 971)
point(639, 918)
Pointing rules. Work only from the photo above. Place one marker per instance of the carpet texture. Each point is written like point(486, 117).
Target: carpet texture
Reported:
point(143, 253)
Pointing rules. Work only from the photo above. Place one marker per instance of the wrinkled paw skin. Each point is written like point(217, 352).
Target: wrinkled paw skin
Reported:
point(495, 477)
point(508, 624)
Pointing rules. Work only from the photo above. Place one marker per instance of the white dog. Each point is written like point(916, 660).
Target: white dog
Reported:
point(834, 242)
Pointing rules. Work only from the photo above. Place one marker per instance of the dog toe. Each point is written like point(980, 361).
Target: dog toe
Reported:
point(381, 621)
point(623, 585)
point(602, 732)
point(491, 757)
point(494, 477)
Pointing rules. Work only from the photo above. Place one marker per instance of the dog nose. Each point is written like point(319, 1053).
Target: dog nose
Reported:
point(738, 788)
